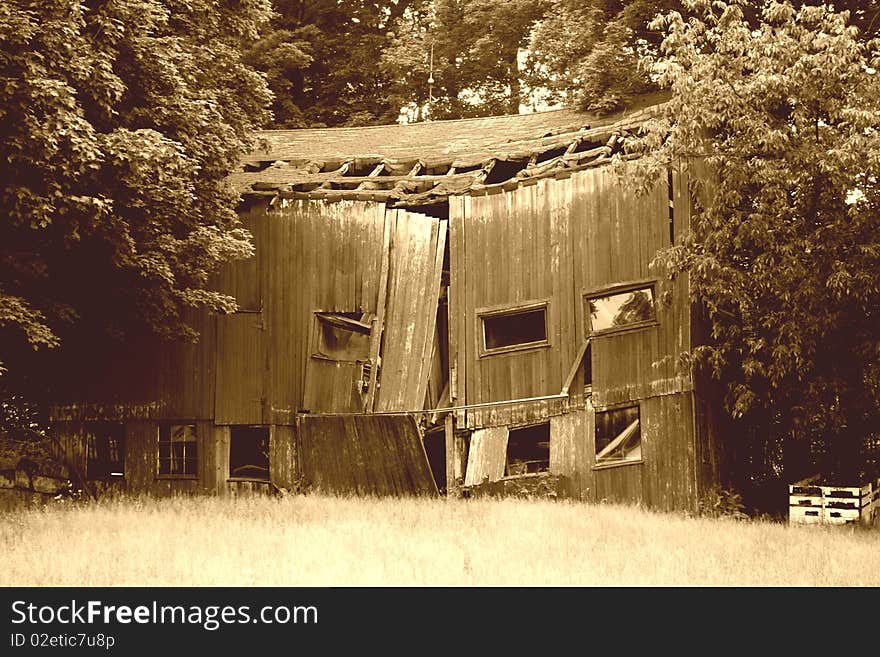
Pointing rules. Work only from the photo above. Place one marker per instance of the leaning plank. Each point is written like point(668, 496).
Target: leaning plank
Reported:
point(364, 455)
point(487, 456)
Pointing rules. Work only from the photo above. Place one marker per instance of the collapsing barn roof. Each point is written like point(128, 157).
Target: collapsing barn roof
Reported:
point(424, 163)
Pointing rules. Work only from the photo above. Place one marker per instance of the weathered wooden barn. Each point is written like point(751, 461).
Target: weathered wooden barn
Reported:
point(496, 267)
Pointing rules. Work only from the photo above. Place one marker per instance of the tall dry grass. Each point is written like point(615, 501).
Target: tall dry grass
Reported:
point(324, 541)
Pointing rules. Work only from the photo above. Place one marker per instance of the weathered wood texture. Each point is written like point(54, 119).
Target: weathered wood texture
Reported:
point(318, 257)
point(487, 456)
point(558, 240)
point(364, 455)
point(666, 478)
point(251, 367)
point(416, 264)
point(141, 459)
point(282, 457)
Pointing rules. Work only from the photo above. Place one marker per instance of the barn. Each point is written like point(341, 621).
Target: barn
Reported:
point(436, 308)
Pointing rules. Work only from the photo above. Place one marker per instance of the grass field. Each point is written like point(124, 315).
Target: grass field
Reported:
point(325, 541)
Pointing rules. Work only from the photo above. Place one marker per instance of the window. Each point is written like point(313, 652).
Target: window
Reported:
point(506, 330)
point(528, 449)
point(343, 337)
point(104, 450)
point(249, 453)
point(618, 436)
point(178, 450)
point(625, 308)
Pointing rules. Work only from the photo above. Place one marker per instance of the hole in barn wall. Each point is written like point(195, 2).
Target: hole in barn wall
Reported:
point(249, 453)
point(435, 448)
point(528, 450)
point(105, 447)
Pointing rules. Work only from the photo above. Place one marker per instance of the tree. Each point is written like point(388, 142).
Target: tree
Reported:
point(121, 120)
point(321, 60)
point(470, 49)
point(784, 252)
point(588, 54)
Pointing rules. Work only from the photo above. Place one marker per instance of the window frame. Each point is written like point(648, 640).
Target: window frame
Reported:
point(159, 431)
point(315, 335)
point(602, 465)
point(268, 429)
point(614, 290)
point(512, 309)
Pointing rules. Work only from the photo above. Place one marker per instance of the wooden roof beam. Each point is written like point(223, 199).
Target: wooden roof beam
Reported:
point(484, 172)
point(340, 172)
point(376, 172)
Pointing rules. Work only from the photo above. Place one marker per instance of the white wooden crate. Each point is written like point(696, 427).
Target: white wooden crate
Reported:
point(812, 502)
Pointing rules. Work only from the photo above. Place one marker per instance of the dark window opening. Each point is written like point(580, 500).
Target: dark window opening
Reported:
point(249, 453)
point(105, 450)
point(624, 309)
point(618, 436)
point(505, 170)
point(178, 450)
point(528, 450)
point(343, 337)
point(523, 328)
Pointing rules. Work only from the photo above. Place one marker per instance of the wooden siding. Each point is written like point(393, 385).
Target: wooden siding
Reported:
point(616, 236)
point(487, 456)
point(508, 249)
point(320, 256)
point(667, 476)
point(416, 264)
point(241, 366)
point(558, 240)
point(364, 455)
point(141, 459)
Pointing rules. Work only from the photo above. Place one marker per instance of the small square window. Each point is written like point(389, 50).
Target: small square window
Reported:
point(627, 308)
point(249, 453)
point(178, 450)
point(510, 330)
point(618, 436)
point(342, 337)
point(104, 450)
point(528, 450)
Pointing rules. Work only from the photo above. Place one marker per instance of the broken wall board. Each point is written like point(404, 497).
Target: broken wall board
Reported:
point(487, 456)
point(364, 455)
point(416, 263)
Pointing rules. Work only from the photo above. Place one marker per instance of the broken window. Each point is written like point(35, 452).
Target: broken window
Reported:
point(509, 330)
point(178, 450)
point(343, 337)
point(249, 453)
point(618, 436)
point(627, 308)
point(528, 450)
point(104, 450)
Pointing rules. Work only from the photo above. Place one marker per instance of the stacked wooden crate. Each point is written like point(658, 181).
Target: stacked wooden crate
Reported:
point(811, 502)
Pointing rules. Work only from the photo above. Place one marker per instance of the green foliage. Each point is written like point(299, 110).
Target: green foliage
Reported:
point(782, 113)
point(718, 502)
point(470, 49)
point(588, 54)
point(121, 121)
point(321, 61)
